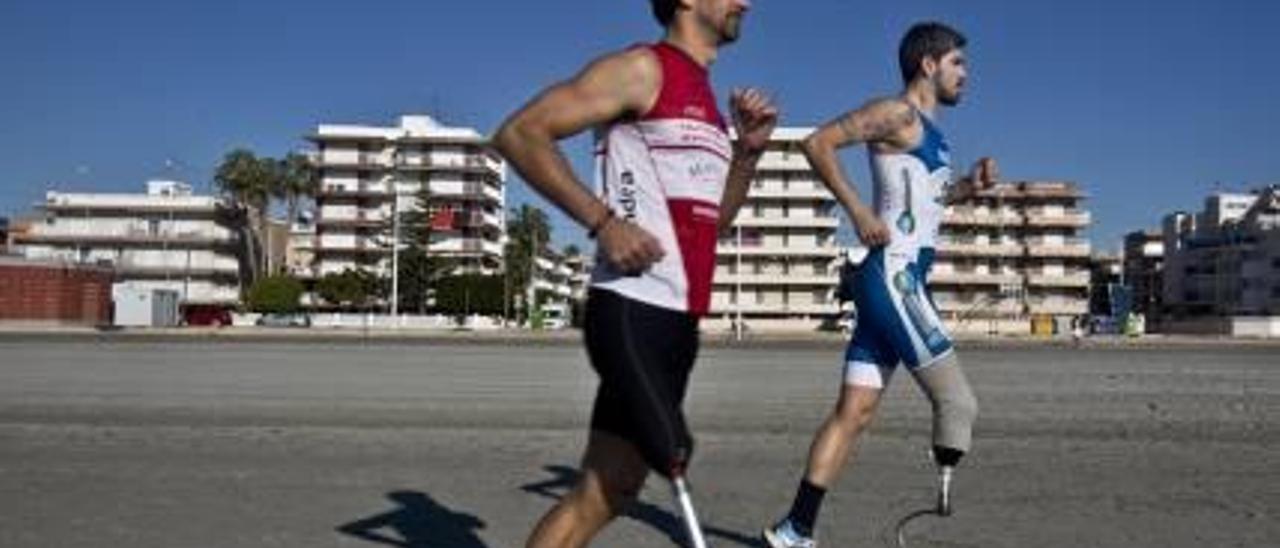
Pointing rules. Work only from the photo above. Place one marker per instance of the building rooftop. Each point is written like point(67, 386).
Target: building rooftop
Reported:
point(161, 195)
point(410, 128)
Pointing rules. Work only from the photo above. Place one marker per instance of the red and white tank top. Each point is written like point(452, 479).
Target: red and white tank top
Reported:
point(665, 171)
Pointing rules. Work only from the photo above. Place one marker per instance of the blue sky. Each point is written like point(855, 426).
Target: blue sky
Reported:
point(1148, 105)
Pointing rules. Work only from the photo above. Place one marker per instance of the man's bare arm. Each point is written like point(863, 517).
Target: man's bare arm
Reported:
point(883, 122)
point(609, 88)
point(754, 118)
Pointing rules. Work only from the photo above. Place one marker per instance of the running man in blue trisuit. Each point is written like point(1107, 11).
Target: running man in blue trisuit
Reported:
point(897, 323)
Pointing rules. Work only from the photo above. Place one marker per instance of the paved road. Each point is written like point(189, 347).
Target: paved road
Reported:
point(172, 444)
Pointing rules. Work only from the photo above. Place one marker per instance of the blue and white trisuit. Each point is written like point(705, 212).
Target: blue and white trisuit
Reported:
point(897, 322)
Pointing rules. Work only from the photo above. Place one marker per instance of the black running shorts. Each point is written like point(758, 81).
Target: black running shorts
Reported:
point(643, 355)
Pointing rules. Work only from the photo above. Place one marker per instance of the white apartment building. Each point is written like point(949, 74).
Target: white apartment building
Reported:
point(552, 281)
point(580, 266)
point(168, 238)
point(1012, 254)
point(369, 174)
point(300, 253)
point(1225, 260)
point(777, 268)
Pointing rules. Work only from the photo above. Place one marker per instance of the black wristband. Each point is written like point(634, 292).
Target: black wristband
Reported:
point(599, 225)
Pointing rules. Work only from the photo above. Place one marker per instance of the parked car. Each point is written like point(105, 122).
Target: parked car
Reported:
point(284, 320)
point(215, 316)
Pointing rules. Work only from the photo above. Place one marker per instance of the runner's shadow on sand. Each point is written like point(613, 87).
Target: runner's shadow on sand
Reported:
point(564, 477)
point(418, 521)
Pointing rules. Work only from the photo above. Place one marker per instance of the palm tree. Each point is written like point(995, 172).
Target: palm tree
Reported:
point(527, 227)
point(297, 179)
point(247, 182)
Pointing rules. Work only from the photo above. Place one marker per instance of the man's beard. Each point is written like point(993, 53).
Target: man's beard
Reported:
point(732, 29)
point(949, 99)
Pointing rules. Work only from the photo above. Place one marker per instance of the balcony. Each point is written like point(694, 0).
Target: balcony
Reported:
point(358, 162)
point(1071, 247)
point(1073, 279)
point(137, 269)
point(794, 192)
point(1058, 218)
point(362, 246)
point(982, 304)
point(467, 246)
point(785, 222)
point(775, 162)
point(479, 165)
point(968, 216)
point(812, 309)
point(776, 279)
point(973, 278)
point(777, 251)
point(131, 237)
point(365, 190)
point(362, 219)
point(467, 191)
point(1058, 306)
point(973, 248)
point(186, 207)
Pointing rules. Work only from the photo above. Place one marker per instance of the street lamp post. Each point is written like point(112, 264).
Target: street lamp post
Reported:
point(395, 234)
point(737, 277)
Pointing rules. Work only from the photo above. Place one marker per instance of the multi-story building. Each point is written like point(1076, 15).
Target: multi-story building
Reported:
point(777, 267)
point(552, 288)
point(1143, 272)
point(300, 256)
point(580, 266)
point(4, 235)
point(1225, 260)
point(168, 238)
point(371, 174)
point(1106, 273)
point(1010, 254)
point(552, 277)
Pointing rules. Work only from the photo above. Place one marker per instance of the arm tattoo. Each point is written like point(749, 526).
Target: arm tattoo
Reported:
point(847, 126)
point(867, 128)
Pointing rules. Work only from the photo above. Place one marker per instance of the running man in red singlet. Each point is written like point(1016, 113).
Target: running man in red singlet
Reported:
point(669, 180)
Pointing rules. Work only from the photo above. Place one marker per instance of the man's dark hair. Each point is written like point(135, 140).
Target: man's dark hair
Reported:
point(924, 40)
point(664, 11)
